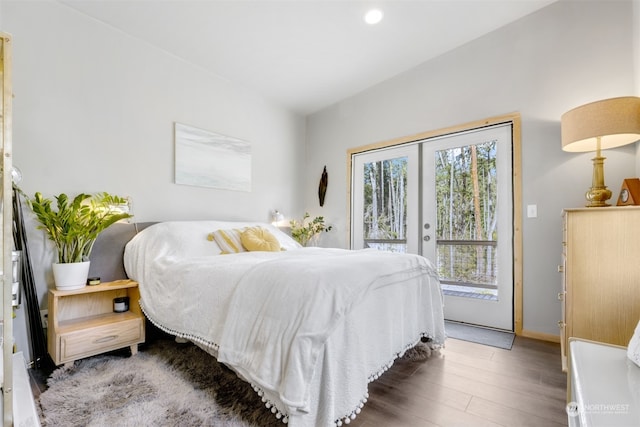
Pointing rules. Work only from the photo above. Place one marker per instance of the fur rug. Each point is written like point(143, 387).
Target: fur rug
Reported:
point(165, 384)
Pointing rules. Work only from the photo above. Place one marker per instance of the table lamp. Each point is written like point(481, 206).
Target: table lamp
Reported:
point(276, 217)
point(597, 126)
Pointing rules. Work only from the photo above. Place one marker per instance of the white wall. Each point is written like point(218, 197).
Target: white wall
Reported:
point(563, 56)
point(94, 111)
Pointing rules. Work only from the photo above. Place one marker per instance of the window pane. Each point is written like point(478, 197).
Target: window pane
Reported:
point(466, 216)
point(385, 204)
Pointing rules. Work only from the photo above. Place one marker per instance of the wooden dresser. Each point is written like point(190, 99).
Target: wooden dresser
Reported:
point(601, 282)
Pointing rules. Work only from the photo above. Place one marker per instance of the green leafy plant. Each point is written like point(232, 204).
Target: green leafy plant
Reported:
point(304, 232)
point(76, 224)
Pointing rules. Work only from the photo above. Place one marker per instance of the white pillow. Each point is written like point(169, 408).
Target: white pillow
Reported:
point(188, 239)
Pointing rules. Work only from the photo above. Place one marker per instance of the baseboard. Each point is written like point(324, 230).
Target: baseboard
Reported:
point(540, 336)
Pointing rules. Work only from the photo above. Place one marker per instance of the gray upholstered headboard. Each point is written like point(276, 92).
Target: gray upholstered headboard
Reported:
point(108, 251)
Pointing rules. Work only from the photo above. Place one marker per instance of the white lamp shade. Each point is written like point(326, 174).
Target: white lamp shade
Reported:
point(276, 217)
point(616, 121)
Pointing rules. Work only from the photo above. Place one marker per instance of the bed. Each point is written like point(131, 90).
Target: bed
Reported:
point(308, 328)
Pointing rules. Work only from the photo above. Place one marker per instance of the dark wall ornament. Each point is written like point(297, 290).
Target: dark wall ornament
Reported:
point(322, 188)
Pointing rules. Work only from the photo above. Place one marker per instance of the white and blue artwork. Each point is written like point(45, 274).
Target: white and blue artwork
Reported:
point(208, 159)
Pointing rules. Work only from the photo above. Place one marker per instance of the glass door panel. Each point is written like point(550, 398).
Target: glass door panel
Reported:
point(385, 212)
point(466, 234)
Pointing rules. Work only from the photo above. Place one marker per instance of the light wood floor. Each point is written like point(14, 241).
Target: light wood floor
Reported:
point(466, 385)
point(471, 385)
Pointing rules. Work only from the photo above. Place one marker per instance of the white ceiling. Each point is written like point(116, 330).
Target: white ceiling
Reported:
point(306, 54)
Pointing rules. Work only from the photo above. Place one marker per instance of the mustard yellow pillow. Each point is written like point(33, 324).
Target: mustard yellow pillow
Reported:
point(259, 239)
point(228, 240)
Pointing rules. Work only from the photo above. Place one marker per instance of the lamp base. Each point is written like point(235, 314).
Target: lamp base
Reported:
point(597, 197)
point(598, 194)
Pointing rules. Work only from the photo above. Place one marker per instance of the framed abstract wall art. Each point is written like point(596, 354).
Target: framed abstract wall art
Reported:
point(209, 159)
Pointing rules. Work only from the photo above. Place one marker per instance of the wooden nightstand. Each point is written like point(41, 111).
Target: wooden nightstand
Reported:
point(82, 322)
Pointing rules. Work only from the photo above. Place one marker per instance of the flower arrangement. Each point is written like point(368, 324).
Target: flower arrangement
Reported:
point(305, 232)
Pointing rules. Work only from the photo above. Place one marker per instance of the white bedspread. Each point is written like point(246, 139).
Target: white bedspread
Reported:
point(282, 312)
point(295, 323)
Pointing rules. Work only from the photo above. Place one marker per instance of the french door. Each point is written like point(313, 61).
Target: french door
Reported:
point(467, 213)
point(450, 199)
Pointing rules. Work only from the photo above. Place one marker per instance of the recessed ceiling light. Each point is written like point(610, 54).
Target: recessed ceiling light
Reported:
point(373, 16)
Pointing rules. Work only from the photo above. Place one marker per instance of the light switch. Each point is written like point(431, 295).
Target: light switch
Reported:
point(532, 211)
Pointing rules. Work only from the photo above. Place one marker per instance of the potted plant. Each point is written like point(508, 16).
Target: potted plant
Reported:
point(74, 227)
point(305, 233)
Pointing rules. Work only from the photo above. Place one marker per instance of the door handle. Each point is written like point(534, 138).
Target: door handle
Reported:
point(105, 339)
point(426, 238)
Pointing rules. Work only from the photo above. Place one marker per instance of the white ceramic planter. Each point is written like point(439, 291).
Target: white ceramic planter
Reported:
point(72, 275)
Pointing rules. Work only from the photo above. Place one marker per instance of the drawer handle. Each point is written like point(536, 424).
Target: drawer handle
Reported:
point(106, 339)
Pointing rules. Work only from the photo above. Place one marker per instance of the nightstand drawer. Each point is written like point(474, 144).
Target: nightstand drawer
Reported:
point(111, 336)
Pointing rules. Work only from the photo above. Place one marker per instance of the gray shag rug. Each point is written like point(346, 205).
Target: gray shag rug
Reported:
point(165, 384)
